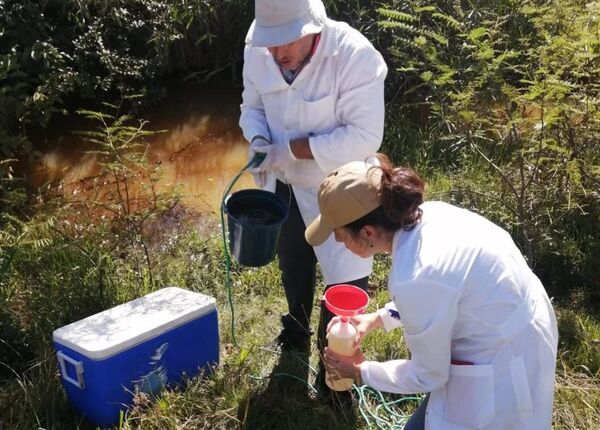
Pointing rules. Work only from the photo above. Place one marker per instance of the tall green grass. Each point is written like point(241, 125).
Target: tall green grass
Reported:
point(495, 103)
point(256, 386)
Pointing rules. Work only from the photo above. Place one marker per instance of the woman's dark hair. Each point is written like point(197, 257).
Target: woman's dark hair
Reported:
point(401, 193)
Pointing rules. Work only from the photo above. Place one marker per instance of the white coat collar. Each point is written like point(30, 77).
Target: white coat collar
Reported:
point(396, 241)
point(327, 47)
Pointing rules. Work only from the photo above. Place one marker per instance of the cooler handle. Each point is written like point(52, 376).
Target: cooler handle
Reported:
point(62, 357)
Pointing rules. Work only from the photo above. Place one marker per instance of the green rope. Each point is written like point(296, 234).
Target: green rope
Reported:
point(388, 419)
point(226, 249)
point(394, 420)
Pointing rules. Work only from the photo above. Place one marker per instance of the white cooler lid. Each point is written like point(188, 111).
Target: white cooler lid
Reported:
point(114, 330)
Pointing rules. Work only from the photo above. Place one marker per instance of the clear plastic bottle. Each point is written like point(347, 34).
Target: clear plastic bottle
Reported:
point(340, 339)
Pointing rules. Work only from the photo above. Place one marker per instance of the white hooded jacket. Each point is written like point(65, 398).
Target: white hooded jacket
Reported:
point(337, 101)
point(463, 292)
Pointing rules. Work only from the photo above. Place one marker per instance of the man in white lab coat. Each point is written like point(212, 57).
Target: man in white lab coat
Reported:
point(312, 101)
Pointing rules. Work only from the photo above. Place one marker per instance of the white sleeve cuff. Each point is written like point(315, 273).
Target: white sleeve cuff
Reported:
point(390, 317)
point(381, 375)
point(388, 376)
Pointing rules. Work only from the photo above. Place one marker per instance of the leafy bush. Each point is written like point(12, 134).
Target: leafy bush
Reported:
point(61, 267)
point(496, 103)
point(513, 95)
point(56, 53)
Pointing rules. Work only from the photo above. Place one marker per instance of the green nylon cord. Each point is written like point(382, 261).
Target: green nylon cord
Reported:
point(382, 417)
point(391, 421)
point(226, 250)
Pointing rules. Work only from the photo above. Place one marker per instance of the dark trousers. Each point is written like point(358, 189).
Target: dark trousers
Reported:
point(298, 265)
point(417, 419)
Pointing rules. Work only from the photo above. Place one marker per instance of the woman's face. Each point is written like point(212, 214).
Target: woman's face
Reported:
point(357, 244)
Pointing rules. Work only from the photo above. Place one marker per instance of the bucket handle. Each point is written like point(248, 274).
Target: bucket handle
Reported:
point(62, 358)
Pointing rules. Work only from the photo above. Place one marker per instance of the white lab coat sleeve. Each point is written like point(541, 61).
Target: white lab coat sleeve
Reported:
point(253, 120)
point(359, 110)
point(429, 311)
point(390, 316)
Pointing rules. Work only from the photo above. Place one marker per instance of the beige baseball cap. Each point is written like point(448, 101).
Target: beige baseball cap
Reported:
point(345, 195)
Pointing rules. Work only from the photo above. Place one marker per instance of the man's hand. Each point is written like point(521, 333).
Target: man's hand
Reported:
point(259, 175)
point(278, 156)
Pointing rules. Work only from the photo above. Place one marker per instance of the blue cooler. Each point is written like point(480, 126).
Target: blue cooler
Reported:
point(137, 347)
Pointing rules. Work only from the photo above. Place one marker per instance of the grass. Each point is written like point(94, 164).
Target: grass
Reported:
point(52, 273)
point(255, 386)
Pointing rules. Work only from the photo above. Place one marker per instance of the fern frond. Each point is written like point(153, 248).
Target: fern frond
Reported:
point(13, 219)
point(122, 120)
point(435, 36)
point(396, 15)
point(111, 105)
point(426, 9)
point(90, 114)
point(398, 25)
point(406, 69)
point(450, 21)
point(38, 244)
point(7, 161)
point(404, 42)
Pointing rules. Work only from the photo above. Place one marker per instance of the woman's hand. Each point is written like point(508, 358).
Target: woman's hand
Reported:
point(364, 324)
point(341, 366)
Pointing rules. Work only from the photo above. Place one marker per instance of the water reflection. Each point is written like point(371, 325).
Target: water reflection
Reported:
point(202, 150)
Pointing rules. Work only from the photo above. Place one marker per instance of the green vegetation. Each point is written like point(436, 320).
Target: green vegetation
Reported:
point(60, 55)
point(513, 99)
point(496, 103)
point(252, 388)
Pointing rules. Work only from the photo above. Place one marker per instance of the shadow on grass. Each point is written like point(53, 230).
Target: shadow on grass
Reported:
point(288, 401)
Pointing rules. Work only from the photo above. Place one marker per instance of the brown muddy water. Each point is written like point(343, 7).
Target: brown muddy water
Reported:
point(199, 154)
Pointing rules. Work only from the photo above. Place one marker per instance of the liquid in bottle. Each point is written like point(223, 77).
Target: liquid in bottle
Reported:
point(340, 339)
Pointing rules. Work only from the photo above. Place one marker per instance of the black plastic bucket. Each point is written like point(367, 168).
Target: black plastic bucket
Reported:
point(254, 220)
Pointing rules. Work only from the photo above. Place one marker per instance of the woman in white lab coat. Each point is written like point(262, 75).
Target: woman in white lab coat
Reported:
point(477, 321)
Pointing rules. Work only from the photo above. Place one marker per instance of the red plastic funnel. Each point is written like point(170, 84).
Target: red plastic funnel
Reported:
point(346, 300)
